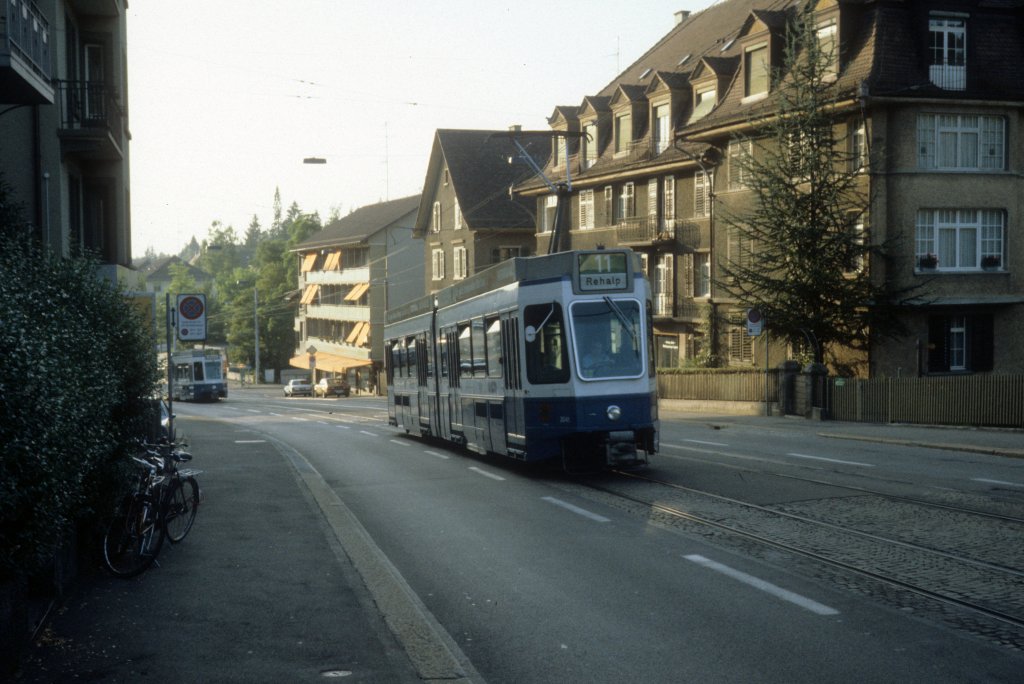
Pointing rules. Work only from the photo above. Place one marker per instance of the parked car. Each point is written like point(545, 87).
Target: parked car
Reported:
point(339, 387)
point(298, 387)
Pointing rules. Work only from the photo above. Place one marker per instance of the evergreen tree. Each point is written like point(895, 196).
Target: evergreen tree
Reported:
point(803, 253)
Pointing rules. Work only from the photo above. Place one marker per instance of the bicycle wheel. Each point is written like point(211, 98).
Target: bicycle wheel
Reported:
point(182, 504)
point(133, 537)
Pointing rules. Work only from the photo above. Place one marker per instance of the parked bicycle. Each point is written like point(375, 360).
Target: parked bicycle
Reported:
point(162, 502)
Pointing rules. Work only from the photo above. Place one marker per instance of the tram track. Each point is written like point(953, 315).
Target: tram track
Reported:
point(983, 597)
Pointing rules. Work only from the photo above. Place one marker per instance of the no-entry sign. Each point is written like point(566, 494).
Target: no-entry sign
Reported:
point(192, 317)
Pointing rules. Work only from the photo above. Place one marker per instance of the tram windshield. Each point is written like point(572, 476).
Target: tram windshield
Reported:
point(607, 338)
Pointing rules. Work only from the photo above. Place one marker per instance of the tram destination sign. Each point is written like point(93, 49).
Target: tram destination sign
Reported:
point(602, 270)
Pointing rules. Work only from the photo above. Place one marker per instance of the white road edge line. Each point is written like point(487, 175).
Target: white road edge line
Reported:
point(399, 442)
point(434, 453)
point(576, 509)
point(998, 482)
point(250, 441)
point(832, 460)
point(372, 434)
point(699, 441)
point(778, 592)
point(487, 474)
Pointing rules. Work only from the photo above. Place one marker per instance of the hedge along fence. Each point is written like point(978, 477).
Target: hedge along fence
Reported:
point(77, 362)
point(718, 384)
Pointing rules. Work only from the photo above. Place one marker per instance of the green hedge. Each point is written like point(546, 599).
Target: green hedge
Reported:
point(76, 364)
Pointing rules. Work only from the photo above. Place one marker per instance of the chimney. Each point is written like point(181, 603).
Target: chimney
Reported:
point(681, 16)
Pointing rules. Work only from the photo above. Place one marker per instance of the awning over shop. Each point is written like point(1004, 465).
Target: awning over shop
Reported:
point(335, 363)
point(357, 331)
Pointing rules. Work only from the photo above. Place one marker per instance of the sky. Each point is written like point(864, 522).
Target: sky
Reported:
point(227, 98)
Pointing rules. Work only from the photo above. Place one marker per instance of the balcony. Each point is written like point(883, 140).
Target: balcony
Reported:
point(948, 76)
point(24, 54)
point(645, 230)
point(91, 121)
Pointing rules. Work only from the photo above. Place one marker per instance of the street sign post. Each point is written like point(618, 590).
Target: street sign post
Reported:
point(191, 310)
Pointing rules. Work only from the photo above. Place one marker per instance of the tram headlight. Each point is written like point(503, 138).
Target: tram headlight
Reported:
point(614, 412)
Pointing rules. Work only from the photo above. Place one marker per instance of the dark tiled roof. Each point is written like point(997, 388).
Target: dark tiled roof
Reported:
point(480, 172)
point(361, 223)
point(160, 269)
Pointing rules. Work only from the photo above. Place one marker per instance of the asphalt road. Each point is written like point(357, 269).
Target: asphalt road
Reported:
point(532, 582)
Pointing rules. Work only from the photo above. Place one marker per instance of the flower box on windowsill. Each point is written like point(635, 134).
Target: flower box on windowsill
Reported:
point(927, 262)
point(991, 263)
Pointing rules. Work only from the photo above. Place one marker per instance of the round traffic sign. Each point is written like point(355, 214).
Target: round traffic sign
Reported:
point(191, 308)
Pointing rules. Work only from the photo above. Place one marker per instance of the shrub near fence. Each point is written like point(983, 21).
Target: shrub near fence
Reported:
point(977, 400)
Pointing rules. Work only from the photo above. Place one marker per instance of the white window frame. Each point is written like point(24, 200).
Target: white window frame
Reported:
point(460, 267)
point(437, 263)
point(625, 208)
point(738, 175)
point(609, 205)
point(858, 146)
point(960, 239)
point(828, 39)
point(750, 69)
point(456, 215)
point(661, 114)
point(623, 133)
point(702, 183)
point(435, 218)
point(586, 209)
point(947, 52)
point(547, 223)
point(652, 200)
point(961, 142)
point(704, 99)
point(663, 284)
point(701, 274)
point(589, 144)
point(668, 200)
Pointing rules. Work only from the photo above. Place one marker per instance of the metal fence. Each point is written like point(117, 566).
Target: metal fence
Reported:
point(971, 400)
point(719, 386)
point(983, 400)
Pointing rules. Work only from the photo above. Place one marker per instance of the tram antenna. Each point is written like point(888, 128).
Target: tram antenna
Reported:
point(563, 191)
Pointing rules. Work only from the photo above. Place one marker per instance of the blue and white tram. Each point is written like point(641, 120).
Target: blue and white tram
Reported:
point(545, 358)
point(199, 375)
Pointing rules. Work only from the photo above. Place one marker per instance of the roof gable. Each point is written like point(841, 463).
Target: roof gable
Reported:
point(361, 224)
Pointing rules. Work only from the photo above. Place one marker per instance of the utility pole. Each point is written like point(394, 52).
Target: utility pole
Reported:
point(256, 327)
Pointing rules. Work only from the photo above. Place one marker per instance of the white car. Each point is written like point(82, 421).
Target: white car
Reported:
point(298, 387)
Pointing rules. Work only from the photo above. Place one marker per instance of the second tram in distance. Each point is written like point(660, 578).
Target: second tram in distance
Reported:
point(545, 358)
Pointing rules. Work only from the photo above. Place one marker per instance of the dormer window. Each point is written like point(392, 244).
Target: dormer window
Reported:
point(828, 50)
point(704, 100)
point(623, 133)
point(589, 144)
point(947, 51)
point(557, 148)
point(756, 68)
point(662, 129)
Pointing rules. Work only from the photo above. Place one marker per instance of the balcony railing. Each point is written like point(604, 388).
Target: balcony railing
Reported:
point(948, 76)
point(645, 230)
point(91, 113)
point(25, 31)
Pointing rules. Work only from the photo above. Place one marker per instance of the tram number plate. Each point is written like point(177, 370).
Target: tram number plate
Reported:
point(603, 271)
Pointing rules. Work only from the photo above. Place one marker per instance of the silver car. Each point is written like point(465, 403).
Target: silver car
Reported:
point(298, 387)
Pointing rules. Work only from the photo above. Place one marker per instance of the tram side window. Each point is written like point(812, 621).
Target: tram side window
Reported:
point(197, 369)
point(428, 358)
point(442, 354)
point(479, 349)
point(465, 352)
point(493, 340)
point(390, 365)
point(410, 355)
point(547, 357)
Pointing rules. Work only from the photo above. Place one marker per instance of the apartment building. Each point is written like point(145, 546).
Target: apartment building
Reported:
point(350, 272)
point(63, 125)
point(928, 97)
point(468, 218)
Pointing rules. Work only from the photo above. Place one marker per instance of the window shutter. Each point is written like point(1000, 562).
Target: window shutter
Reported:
point(652, 198)
point(688, 275)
